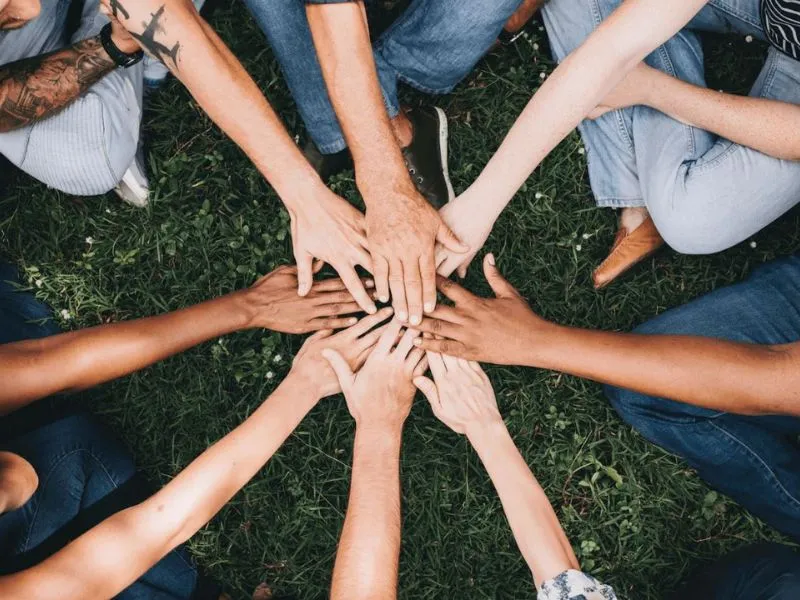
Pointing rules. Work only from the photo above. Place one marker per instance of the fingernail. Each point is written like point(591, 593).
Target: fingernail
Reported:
point(352, 321)
point(384, 298)
point(388, 310)
point(372, 309)
point(369, 283)
point(490, 258)
point(418, 342)
point(402, 316)
point(415, 320)
point(428, 307)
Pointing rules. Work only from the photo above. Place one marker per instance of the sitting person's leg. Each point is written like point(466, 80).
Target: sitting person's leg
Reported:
point(766, 570)
point(90, 146)
point(753, 459)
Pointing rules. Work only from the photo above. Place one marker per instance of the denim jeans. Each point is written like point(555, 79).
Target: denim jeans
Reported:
point(704, 193)
point(764, 571)
point(753, 459)
point(85, 475)
point(432, 46)
point(86, 148)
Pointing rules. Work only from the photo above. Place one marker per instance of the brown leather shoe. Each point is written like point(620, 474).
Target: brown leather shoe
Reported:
point(630, 248)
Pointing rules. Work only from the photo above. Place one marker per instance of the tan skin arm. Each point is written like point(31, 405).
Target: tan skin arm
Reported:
point(717, 374)
point(33, 369)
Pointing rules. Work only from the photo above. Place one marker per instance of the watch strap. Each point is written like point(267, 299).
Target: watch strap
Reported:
point(122, 59)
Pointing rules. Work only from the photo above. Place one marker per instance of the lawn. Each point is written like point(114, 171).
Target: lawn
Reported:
point(638, 518)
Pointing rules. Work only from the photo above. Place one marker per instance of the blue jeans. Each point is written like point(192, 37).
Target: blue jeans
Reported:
point(85, 475)
point(766, 571)
point(754, 460)
point(704, 193)
point(432, 46)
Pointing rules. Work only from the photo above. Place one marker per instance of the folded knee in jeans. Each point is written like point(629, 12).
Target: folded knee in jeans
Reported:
point(694, 232)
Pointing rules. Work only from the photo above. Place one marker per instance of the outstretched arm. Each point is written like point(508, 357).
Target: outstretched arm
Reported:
point(717, 374)
point(35, 88)
point(402, 226)
point(461, 396)
point(108, 558)
point(33, 369)
point(763, 124)
point(324, 225)
point(379, 397)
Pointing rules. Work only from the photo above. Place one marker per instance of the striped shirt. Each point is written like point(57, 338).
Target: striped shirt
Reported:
point(782, 25)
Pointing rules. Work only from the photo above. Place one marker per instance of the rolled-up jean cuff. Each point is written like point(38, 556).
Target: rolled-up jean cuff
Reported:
point(333, 147)
point(610, 202)
point(329, 1)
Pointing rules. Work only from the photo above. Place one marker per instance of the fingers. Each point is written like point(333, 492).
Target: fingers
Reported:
point(437, 365)
point(421, 367)
point(451, 362)
point(317, 266)
point(369, 340)
point(367, 323)
point(305, 273)
point(388, 337)
point(397, 288)
point(412, 280)
point(405, 344)
point(452, 290)
point(331, 323)
point(498, 283)
point(340, 367)
point(356, 287)
point(427, 269)
point(448, 239)
point(334, 284)
point(442, 328)
point(451, 347)
point(381, 273)
point(462, 270)
point(333, 310)
point(413, 362)
point(428, 389)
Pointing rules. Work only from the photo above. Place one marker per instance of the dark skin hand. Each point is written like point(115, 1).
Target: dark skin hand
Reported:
point(482, 329)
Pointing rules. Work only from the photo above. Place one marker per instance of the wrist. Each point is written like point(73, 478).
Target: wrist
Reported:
point(390, 182)
point(388, 428)
point(541, 344)
point(239, 309)
point(302, 388)
point(484, 433)
point(296, 187)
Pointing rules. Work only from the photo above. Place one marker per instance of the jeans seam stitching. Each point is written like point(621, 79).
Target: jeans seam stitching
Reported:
point(751, 453)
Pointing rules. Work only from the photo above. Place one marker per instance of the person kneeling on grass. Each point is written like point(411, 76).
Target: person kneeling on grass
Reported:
point(76, 521)
point(716, 382)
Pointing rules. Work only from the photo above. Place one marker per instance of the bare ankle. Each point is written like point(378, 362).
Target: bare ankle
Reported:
point(631, 217)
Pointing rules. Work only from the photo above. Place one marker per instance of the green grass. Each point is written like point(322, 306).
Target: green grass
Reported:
point(638, 518)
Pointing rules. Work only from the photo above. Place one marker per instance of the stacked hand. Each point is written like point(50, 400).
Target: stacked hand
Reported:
point(273, 303)
point(462, 217)
point(460, 394)
point(379, 395)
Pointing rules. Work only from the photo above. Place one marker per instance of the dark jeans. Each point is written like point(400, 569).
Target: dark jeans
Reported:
point(85, 475)
point(754, 460)
point(759, 572)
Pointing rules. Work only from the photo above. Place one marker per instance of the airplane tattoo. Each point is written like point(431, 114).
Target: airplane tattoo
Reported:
point(147, 39)
point(117, 9)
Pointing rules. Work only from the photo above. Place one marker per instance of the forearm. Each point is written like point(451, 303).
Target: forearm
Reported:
point(711, 373)
point(536, 528)
point(341, 37)
point(111, 556)
point(768, 126)
point(76, 360)
point(367, 560)
point(576, 87)
point(35, 88)
point(226, 92)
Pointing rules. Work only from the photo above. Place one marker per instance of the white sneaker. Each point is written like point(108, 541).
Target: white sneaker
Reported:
point(134, 187)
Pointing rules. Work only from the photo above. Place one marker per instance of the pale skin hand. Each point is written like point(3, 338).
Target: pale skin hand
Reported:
point(466, 220)
point(324, 226)
point(402, 228)
point(354, 345)
point(483, 329)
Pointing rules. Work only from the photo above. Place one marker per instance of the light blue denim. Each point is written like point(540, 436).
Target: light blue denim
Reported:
point(704, 193)
point(86, 148)
point(432, 46)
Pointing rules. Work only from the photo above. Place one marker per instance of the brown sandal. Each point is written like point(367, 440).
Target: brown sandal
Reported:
point(629, 249)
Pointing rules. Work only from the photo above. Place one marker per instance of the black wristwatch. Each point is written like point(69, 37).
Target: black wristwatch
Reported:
point(122, 59)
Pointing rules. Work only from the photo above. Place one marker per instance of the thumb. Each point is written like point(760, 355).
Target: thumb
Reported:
point(449, 240)
point(340, 367)
point(498, 283)
point(305, 273)
point(428, 388)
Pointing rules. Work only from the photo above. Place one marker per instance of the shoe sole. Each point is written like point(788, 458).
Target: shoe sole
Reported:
point(443, 137)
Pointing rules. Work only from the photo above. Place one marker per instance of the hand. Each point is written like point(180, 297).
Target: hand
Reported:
point(329, 228)
point(628, 92)
point(462, 396)
point(471, 228)
point(403, 229)
point(494, 330)
point(273, 303)
point(380, 394)
point(119, 35)
point(353, 345)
